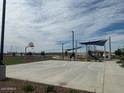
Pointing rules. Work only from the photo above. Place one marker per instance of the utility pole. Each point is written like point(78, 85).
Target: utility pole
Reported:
point(2, 64)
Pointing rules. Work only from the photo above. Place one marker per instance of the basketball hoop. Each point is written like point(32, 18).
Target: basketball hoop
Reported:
point(32, 47)
point(31, 44)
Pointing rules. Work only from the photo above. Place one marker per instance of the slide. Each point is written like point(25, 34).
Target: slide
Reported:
point(93, 56)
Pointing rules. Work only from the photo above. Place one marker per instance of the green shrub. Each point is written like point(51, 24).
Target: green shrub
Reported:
point(50, 88)
point(73, 91)
point(28, 88)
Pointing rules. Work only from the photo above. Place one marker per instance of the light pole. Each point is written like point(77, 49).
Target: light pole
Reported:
point(2, 64)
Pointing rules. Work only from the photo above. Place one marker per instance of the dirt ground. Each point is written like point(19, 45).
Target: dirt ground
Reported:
point(17, 86)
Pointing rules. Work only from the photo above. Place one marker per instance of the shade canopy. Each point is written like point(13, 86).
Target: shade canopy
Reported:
point(98, 42)
point(73, 49)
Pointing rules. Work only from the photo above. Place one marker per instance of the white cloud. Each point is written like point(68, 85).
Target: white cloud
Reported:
point(46, 21)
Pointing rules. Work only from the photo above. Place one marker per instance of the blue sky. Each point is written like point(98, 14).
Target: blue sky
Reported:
point(45, 22)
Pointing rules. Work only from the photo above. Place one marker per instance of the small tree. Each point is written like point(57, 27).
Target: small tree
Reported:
point(120, 53)
point(43, 53)
point(14, 54)
point(29, 54)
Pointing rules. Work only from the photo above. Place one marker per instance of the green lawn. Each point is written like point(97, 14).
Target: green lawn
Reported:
point(11, 60)
point(14, 60)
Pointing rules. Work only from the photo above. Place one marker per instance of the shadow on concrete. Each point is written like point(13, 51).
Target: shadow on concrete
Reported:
point(118, 62)
point(122, 66)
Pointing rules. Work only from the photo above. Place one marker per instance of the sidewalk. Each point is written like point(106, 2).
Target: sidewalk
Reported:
point(114, 78)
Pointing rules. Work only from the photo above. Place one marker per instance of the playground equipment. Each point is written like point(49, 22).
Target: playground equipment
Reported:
point(91, 51)
point(73, 54)
point(92, 54)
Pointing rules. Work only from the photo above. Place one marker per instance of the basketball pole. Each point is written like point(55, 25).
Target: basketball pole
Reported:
point(2, 64)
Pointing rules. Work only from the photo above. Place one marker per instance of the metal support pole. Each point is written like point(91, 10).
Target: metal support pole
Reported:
point(26, 50)
point(76, 49)
point(63, 51)
point(109, 47)
point(73, 41)
point(73, 45)
point(104, 52)
point(2, 33)
point(87, 52)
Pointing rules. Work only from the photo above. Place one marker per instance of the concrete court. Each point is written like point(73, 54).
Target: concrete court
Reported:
point(113, 78)
point(90, 76)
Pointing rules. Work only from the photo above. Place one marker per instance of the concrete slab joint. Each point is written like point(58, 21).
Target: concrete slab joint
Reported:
point(2, 72)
